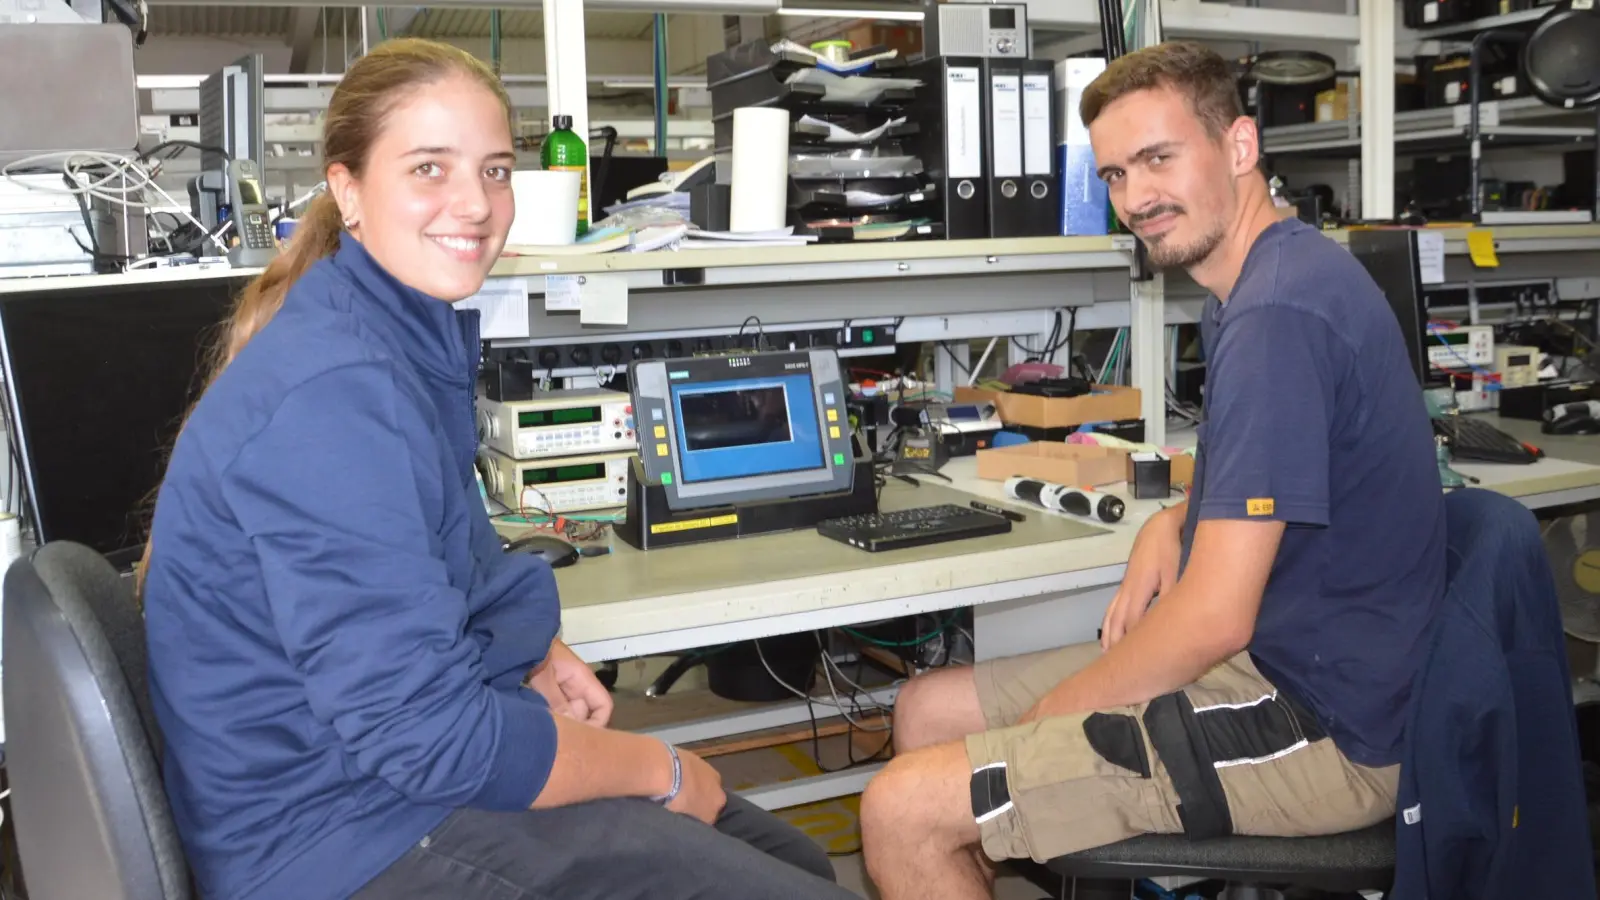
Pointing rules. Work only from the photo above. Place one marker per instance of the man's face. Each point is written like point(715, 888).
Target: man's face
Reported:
point(1171, 182)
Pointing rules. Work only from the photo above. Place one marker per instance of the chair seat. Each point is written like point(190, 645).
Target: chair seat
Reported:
point(1356, 860)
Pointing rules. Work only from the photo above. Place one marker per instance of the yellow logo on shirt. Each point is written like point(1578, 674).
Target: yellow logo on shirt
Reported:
point(1259, 506)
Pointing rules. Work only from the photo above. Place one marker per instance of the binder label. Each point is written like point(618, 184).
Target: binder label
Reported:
point(963, 128)
point(1005, 106)
point(1036, 136)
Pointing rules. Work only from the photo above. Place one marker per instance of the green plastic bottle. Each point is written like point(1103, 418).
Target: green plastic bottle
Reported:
point(564, 151)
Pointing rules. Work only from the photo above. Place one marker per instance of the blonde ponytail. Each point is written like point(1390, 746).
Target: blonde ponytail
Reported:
point(356, 113)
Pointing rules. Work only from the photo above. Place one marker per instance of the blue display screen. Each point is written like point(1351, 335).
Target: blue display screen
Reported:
point(740, 428)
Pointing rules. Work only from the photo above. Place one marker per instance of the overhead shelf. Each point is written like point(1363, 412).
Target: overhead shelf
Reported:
point(1213, 21)
point(1472, 26)
point(1520, 122)
point(1439, 140)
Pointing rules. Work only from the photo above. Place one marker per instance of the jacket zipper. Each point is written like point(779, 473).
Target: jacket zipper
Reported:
point(470, 332)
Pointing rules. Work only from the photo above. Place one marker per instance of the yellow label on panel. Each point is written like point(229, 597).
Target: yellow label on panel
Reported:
point(692, 524)
point(1260, 506)
point(1480, 244)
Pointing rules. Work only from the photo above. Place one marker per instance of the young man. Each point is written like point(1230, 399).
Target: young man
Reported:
point(1265, 692)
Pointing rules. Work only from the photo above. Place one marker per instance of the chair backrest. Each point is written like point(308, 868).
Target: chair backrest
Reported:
point(1491, 791)
point(92, 818)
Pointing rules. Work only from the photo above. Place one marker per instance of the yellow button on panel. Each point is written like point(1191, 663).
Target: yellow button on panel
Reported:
point(833, 415)
point(833, 431)
point(661, 449)
point(661, 431)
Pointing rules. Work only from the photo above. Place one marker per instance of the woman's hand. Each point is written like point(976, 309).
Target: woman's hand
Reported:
point(570, 687)
point(701, 795)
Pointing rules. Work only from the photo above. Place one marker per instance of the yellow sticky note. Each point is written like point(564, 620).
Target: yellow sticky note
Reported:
point(1480, 243)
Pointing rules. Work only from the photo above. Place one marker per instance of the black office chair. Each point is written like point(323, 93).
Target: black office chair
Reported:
point(1340, 863)
point(92, 818)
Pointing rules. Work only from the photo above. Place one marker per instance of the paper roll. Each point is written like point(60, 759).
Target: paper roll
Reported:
point(760, 169)
point(547, 208)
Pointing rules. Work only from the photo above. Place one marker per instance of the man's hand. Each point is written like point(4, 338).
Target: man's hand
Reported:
point(569, 686)
point(1152, 570)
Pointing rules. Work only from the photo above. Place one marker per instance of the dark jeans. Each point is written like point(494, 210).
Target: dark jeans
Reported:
point(610, 850)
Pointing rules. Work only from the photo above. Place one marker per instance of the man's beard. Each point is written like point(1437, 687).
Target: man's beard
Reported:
point(1165, 253)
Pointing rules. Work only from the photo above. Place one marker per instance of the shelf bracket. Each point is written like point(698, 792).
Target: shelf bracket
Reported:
point(1147, 338)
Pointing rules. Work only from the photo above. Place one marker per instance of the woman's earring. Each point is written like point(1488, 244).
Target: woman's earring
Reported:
point(350, 223)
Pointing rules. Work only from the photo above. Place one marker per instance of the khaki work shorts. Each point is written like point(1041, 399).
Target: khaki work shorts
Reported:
point(1226, 755)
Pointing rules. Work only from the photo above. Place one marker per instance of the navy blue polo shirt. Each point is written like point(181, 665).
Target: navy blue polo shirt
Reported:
point(1313, 417)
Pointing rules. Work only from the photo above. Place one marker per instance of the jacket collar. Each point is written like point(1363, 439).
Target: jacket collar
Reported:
point(439, 339)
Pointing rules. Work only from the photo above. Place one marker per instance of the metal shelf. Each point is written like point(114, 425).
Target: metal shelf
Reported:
point(754, 266)
point(1441, 140)
point(1473, 26)
point(1518, 122)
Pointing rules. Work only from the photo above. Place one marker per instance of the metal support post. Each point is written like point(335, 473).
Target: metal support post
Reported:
point(661, 96)
point(495, 58)
point(566, 66)
point(1147, 341)
point(1377, 109)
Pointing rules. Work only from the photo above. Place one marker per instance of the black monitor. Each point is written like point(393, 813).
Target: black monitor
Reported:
point(98, 375)
point(1390, 257)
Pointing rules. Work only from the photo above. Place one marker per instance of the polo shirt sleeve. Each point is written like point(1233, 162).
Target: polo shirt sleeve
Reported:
point(1269, 404)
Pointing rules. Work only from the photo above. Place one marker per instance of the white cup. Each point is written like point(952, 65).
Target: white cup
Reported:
point(547, 208)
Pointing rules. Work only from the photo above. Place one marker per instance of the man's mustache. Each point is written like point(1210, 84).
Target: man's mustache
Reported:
point(1153, 212)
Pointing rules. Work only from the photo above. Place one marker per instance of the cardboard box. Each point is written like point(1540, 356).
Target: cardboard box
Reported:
point(1108, 403)
point(1180, 469)
point(904, 38)
point(1078, 465)
point(1339, 103)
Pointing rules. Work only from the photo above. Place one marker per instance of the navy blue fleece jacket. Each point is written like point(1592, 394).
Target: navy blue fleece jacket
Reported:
point(337, 642)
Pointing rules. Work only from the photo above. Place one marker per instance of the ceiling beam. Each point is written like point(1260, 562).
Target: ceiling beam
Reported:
point(707, 6)
point(303, 21)
point(399, 19)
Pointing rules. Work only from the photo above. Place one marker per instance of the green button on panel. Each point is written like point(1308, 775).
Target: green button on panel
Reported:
point(838, 459)
point(666, 477)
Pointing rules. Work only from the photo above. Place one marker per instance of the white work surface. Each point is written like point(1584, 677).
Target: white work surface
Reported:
point(1044, 585)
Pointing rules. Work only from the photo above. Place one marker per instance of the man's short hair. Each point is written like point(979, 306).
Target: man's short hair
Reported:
point(1197, 72)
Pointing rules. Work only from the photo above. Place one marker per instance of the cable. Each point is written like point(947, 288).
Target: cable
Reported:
point(761, 332)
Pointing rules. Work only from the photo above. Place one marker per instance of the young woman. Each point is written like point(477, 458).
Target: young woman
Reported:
point(338, 646)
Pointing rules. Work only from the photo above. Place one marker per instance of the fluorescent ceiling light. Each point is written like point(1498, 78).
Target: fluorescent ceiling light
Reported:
point(896, 15)
point(163, 82)
point(633, 84)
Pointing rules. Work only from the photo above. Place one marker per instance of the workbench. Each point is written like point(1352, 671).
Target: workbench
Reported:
point(1046, 584)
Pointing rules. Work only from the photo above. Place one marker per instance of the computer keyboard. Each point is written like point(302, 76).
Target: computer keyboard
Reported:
point(913, 527)
point(1474, 440)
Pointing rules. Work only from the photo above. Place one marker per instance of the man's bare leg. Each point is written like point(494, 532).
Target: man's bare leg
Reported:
point(918, 833)
point(937, 708)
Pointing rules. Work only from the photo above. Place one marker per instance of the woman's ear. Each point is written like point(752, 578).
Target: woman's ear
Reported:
point(346, 193)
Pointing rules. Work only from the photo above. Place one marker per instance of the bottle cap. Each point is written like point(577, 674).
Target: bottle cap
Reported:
point(563, 122)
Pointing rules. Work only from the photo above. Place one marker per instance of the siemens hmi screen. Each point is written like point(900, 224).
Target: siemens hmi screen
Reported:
point(97, 380)
point(719, 430)
point(735, 429)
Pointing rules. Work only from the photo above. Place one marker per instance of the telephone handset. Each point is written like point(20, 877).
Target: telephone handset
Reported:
point(251, 220)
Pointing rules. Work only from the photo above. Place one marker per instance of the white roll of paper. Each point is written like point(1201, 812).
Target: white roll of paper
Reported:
point(547, 208)
point(760, 169)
